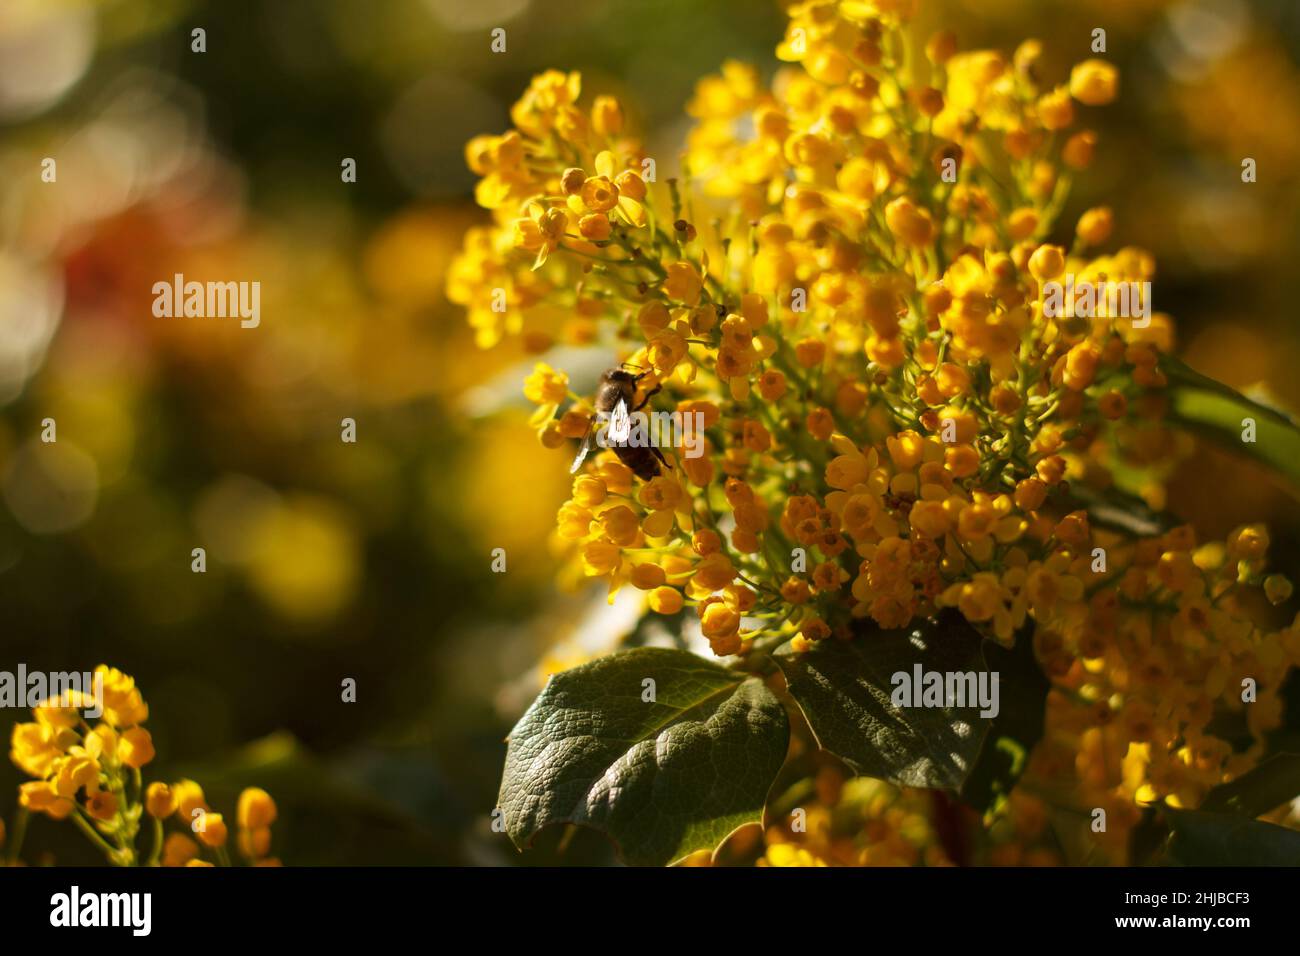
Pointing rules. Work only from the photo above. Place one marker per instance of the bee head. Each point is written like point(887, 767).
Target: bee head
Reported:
point(621, 374)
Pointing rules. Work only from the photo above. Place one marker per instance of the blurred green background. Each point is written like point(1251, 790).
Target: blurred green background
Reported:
point(370, 561)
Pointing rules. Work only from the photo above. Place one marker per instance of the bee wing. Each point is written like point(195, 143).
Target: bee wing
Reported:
point(620, 424)
point(588, 440)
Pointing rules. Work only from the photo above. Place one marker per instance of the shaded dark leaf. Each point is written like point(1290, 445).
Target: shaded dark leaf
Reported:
point(844, 689)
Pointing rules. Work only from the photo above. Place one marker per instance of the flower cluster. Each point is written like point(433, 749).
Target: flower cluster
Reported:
point(852, 281)
point(92, 776)
point(857, 822)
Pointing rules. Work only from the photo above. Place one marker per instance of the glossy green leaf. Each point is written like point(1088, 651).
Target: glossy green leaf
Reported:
point(845, 690)
point(662, 778)
point(1216, 411)
point(1225, 839)
point(1120, 511)
point(1018, 726)
point(1269, 785)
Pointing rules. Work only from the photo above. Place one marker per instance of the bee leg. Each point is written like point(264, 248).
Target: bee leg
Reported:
point(648, 395)
point(660, 456)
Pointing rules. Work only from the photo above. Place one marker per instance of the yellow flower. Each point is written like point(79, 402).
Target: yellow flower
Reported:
point(621, 525)
point(714, 572)
point(719, 620)
point(930, 518)
point(647, 577)
point(574, 522)
point(76, 771)
point(256, 809)
point(546, 386)
point(847, 471)
point(589, 490)
point(189, 797)
point(909, 223)
point(683, 283)
point(102, 805)
point(135, 748)
point(601, 558)
point(541, 232)
point(980, 598)
point(254, 844)
point(660, 494)
point(665, 600)
point(606, 116)
point(41, 797)
point(1095, 225)
point(34, 748)
point(63, 711)
point(1047, 262)
point(599, 194)
point(1055, 109)
point(123, 704)
point(1094, 82)
point(179, 850)
point(594, 226)
point(159, 800)
point(789, 855)
point(543, 106)
point(211, 830)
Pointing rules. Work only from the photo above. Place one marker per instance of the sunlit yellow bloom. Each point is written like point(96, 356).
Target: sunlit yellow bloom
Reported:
point(1094, 82)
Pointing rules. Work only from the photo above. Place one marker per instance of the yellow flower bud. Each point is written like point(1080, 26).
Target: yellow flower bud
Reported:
point(941, 46)
point(1055, 109)
point(1078, 149)
point(572, 180)
point(189, 797)
point(159, 800)
point(1047, 262)
point(1095, 225)
point(594, 226)
point(665, 600)
point(178, 850)
point(719, 620)
point(630, 185)
point(1277, 588)
point(909, 223)
point(647, 577)
point(210, 828)
point(1094, 82)
point(254, 844)
point(256, 809)
point(607, 116)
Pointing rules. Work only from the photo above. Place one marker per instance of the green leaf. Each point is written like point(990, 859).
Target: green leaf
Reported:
point(1016, 729)
point(1274, 782)
point(1214, 410)
point(845, 688)
point(1223, 839)
point(1117, 509)
point(662, 779)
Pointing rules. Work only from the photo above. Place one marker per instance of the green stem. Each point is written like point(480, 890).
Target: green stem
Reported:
point(20, 831)
point(113, 854)
point(155, 854)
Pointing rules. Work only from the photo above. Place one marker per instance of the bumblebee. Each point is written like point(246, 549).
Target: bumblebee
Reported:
point(615, 395)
